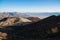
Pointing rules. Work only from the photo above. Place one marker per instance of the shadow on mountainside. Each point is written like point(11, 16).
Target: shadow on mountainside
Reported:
point(46, 29)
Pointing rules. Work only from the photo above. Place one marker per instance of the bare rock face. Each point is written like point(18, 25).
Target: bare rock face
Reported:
point(34, 19)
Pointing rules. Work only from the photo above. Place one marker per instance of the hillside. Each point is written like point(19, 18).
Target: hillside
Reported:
point(48, 27)
point(45, 28)
point(11, 21)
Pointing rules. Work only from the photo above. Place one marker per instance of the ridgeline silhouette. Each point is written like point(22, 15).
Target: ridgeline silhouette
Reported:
point(48, 27)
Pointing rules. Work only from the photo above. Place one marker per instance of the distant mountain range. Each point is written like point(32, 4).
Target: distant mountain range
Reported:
point(40, 15)
point(12, 14)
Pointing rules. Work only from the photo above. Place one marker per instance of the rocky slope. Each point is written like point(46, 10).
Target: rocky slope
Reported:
point(8, 21)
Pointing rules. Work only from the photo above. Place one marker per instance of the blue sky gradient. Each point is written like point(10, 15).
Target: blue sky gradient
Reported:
point(30, 5)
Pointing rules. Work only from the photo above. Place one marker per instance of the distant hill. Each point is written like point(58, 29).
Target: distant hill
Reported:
point(34, 19)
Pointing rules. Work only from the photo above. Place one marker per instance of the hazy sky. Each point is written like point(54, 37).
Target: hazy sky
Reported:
point(30, 5)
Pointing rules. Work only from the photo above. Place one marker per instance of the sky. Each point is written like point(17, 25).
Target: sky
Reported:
point(30, 5)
